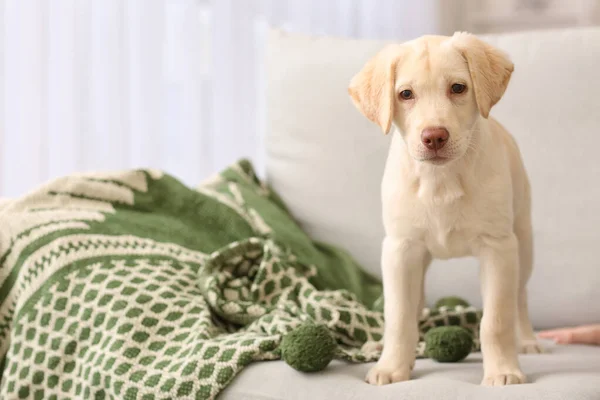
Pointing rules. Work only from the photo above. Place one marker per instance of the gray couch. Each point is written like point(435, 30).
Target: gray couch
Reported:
point(326, 161)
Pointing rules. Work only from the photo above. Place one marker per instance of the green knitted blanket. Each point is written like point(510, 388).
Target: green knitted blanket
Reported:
point(131, 285)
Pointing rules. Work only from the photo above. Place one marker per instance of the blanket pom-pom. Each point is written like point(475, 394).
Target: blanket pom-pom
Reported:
point(448, 343)
point(451, 302)
point(308, 348)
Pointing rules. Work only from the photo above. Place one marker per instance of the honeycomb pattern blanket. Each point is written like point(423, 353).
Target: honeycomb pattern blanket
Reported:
point(130, 285)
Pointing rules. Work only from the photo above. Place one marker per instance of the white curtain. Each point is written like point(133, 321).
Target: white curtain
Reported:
point(170, 84)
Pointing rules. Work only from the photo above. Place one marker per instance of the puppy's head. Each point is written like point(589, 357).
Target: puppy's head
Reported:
point(433, 89)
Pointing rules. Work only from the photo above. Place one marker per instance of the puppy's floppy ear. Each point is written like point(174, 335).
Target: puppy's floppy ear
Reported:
point(490, 69)
point(372, 89)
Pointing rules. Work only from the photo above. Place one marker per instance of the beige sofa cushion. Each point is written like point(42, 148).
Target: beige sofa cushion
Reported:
point(326, 160)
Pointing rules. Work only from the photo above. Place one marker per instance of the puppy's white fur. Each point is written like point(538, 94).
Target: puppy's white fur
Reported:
point(469, 198)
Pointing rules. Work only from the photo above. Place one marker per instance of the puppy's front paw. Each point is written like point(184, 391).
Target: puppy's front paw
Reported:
point(384, 373)
point(531, 347)
point(503, 379)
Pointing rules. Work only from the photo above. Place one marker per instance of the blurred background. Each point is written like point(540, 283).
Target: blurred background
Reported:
point(179, 84)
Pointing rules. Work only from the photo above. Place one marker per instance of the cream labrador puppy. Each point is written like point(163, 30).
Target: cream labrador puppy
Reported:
point(454, 185)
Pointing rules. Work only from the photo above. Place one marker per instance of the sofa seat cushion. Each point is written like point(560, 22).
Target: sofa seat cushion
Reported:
point(565, 372)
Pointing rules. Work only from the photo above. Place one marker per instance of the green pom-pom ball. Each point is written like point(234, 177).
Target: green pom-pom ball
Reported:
point(451, 302)
point(448, 343)
point(308, 348)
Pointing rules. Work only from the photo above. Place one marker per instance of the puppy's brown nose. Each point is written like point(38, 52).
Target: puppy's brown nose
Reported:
point(435, 138)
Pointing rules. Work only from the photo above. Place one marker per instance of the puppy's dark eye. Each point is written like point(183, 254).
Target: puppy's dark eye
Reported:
point(458, 88)
point(406, 94)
